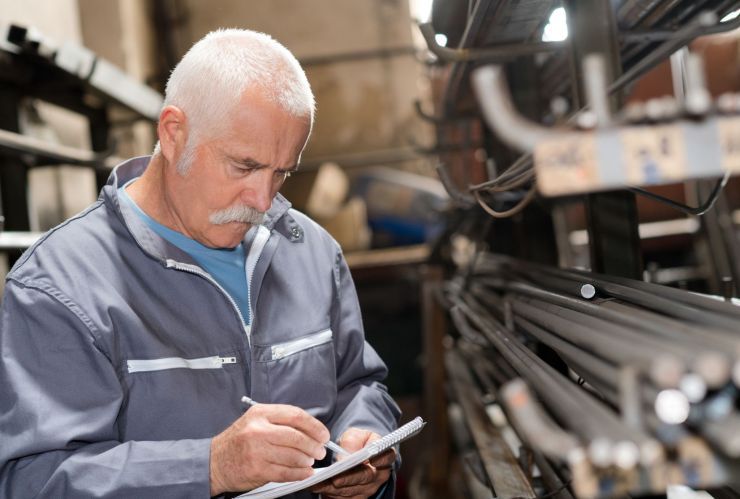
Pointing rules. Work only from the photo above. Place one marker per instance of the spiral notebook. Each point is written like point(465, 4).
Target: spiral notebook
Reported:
point(275, 489)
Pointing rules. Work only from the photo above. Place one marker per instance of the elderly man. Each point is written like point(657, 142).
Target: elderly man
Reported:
point(131, 331)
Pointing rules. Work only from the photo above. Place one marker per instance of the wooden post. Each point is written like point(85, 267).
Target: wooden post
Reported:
point(434, 324)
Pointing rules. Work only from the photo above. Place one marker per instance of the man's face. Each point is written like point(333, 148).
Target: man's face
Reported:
point(234, 176)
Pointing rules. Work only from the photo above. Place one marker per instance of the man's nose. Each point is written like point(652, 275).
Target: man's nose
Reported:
point(259, 195)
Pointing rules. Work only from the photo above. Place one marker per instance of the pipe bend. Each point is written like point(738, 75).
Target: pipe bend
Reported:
point(492, 91)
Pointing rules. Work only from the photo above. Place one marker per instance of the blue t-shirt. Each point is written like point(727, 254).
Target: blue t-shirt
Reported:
point(226, 266)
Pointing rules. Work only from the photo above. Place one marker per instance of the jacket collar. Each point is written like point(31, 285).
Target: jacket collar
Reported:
point(276, 219)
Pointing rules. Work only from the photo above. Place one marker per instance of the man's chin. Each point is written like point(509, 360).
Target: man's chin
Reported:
point(229, 235)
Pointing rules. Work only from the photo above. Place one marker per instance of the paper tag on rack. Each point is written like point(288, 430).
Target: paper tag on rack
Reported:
point(567, 165)
point(729, 139)
point(654, 154)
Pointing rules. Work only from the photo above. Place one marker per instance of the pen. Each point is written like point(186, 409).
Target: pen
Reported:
point(329, 445)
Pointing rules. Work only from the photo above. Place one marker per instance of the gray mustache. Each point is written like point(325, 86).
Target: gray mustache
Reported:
point(240, 213)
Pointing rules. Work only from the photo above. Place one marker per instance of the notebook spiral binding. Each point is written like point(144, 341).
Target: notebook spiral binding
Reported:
point(405, 431)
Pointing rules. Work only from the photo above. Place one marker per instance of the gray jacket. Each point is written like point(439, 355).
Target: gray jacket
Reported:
point(120, 358)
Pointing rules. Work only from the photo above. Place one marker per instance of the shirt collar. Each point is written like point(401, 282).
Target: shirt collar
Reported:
point(149, 240)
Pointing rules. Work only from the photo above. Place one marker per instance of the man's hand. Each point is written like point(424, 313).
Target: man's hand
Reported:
point(361, 481)
point(269, 443)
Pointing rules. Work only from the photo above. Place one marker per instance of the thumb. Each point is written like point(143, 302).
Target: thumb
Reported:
point(355, 439)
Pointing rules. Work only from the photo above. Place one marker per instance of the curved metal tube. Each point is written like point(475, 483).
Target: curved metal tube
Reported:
point(499, 112)
point(539, 430)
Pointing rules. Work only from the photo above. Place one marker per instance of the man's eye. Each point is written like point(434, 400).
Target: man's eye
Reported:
point(244, 168)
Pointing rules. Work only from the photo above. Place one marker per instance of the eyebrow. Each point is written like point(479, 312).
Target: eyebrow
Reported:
point(252, 163)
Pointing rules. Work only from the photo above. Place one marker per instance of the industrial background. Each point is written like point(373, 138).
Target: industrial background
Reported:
point(536, 199)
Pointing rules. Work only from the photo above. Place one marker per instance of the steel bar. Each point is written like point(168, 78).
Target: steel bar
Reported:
point(632, 12)
point(724, 434)
point(558, 400)
point(498, 53)
point(536, 427)
point(704, 343)
point(582, 413)
point(646, 294)
point(24, 144)
point(693, 299)
point(502, 469)
point(556, 488)
point(604, 371)
point(650, 35)
point(608, 329)
point(681, 38)
point(497, 107)
point(605, 346)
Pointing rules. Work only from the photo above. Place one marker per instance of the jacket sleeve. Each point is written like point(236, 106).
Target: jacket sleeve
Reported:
point(362, 399)
point(59, 402)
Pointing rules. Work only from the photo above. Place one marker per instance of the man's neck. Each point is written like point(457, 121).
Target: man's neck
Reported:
point(149, 194)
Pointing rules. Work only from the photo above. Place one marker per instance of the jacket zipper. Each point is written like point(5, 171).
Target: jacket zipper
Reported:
point(290, 347)
point(263, 234)
point(194, 269)
point(255, 252)
point(215, 362)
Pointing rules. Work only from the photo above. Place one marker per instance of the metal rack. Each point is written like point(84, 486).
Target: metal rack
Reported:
point(613, 385)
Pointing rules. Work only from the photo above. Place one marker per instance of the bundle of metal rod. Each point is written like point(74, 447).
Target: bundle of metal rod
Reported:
point(704, 328)
point(586, 417)
point(650, 393)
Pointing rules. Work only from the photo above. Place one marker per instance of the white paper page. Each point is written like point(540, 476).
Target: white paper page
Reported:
point(274, 489)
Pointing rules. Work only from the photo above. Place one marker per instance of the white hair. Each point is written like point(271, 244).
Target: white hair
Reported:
point(210, 80)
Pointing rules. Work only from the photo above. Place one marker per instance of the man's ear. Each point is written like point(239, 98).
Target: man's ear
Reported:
point(172, 132)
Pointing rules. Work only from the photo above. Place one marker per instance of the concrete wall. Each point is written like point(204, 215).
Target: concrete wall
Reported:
point(363, 104)
point(121, 31)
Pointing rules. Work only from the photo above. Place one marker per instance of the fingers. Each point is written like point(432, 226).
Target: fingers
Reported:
point(384, 460)
point(354, 439)
point(269, 443)
point(289, 474)
point(362, 481)
point(285, 436)
point(294, 417)
point(360, 475)
point(287, 457)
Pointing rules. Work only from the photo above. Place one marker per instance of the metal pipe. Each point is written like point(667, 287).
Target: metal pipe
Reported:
point(683, 305)
point(698, 339)
point(24, 144)
point(661, 35)
point(667, 372)
point(705, 302)
point(595, 83)
point(537, 429)
point(498, 53)
point(489, 83)
point(572, 404)
point(695, 28)
point(698, 100)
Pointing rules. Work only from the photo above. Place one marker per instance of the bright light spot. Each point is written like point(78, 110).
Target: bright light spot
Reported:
point(694, 387)
point(421, 10)
point(557, 27)
point(729, 17)
point(441, 39)
point(626, 455)
point(672, 406)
